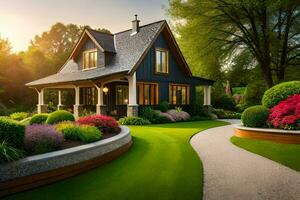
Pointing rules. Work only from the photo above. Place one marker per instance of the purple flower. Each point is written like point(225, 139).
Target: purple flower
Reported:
point(179, 116)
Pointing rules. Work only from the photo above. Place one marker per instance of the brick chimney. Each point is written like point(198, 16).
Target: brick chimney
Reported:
point(135, 25)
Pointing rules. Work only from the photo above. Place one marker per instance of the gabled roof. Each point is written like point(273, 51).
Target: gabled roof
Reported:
point(128, 51)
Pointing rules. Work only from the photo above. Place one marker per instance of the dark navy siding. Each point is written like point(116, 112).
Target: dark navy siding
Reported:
point(146, 71)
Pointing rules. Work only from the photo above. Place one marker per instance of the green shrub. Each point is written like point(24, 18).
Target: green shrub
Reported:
point(223, 102)
point(280, 92)
point(26, 121)
point(9, 153)
point(19, 116)
point(12, 132)
point(153, 116)
point(226, 114)
point(84, 133)
point(164, 106)
point(197, 110)
point(254, 93)
point(59, 116)
point(255, 116)
point(39, 118)
point(134, 121)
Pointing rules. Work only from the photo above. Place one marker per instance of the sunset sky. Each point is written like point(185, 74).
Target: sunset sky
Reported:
point(21, 20)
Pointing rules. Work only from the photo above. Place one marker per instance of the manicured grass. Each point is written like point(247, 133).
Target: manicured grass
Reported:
point(286, 154)
point(160, 165)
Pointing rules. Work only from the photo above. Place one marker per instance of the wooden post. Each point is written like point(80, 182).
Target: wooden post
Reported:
point(132, 107)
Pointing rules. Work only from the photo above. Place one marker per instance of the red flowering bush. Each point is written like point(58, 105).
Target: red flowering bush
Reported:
point(286, 115)
point(104, 123)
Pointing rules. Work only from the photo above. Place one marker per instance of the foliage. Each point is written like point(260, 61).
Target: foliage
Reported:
point(167, 115)
point(228, 28)
point(286, 115)
point(196, 109)
point(254, 93)
point(164, 106)
point(226, 114)
point(12, 132)
point(255, 116)
point(42, 139)
point(19, 116)
point(280, 92)
point(179, 115)
point(39, 118)
point(286, 154)
point(104, 123)
point(9, 153)
point(153, 116)
point(153, 151)
point(59, 116)
point(224, 102)
point(134, 121)
point(84, 133)
point(26, 121)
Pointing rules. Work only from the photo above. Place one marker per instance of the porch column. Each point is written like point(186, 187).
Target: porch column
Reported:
point(59, 105)
point(132, 107)
point(207, 99)
point(100, 107)
point(41, 107)
point(77, 106)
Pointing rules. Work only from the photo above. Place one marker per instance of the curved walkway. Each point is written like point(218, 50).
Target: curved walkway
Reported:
point(234, 173)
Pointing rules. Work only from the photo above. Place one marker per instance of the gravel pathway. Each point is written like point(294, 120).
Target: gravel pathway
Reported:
point(234, 173)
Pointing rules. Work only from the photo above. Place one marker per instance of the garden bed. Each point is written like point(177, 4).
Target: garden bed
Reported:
point(275, 135)
point(45, 168)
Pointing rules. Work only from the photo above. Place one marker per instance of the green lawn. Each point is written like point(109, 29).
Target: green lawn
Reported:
point(286, 154)
point(160, 165)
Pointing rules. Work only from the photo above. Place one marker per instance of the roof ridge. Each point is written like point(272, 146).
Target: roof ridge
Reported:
point(163, 20)
point(90, 29)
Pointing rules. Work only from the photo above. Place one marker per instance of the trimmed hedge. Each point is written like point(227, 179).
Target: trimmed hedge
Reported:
point(59, 116)
point(255, 116)
point(134, 121)
point(39, 118)
point(84, 133)
point(280, 92)
point(19, 116)
point(12, 132)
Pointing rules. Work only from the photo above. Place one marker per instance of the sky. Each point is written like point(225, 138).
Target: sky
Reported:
point(21, 20)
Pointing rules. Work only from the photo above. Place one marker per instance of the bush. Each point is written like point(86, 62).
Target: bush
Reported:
point(84, 133)
point(19, 116)
point(12, 132)
point(59, 116)
point(25, 121)
point(179, 115)
point(223, 102)
point(254, 93)
point(134, 121)
point(226, 114)
point(42, 139)
point(280, 92)
point(153, 116)
point(164, 106)
point(39, 118)
point(104, 123)
point(9, 153)
point(255, 116)
point(197, 110)
point(286, 115)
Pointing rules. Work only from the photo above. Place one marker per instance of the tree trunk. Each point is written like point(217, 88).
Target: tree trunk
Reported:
point(267, 74)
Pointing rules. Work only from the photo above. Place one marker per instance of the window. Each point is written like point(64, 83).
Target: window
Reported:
point(161, 61)
point(147, 93)
point(88, 96)
point(121, 95)
point(89, 59)
point(179, 94)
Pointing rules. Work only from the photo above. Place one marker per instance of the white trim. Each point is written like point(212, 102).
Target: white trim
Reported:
point(132, 89)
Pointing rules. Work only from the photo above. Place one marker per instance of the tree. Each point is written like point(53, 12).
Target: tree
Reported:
point(268, 29)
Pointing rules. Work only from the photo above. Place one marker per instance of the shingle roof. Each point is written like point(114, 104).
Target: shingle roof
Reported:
point(129, 49)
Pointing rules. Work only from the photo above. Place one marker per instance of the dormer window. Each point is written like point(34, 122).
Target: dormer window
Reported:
point(90, 59)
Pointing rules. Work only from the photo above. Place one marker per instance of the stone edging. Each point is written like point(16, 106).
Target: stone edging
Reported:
point(274, 135)
point(49, 167)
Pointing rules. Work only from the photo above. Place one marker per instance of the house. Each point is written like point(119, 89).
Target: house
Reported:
point(117, 73)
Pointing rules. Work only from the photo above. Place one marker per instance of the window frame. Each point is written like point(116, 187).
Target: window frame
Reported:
point(89, 52)
point(154, 89)
point(166, 51)
point(122, 86)
point(172, 95)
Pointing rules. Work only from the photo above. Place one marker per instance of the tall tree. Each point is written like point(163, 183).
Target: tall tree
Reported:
point(269, 29)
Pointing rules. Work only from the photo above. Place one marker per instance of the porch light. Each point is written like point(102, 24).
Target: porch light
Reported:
point(126, 101)
point(105, 90)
